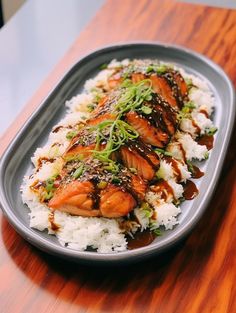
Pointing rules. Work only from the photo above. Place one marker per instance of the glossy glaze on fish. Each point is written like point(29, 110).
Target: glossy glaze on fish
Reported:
point(111, 159)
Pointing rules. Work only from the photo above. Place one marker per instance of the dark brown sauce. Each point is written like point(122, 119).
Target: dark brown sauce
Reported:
point(156, 118)
point(56, 129)
point(190, 190)
point(54, 226)
point(36, 185)
point(95, 195)
point(197, 173)
point(207, 141)
point(183, 152)
point(144, 151)
point(175, 166)
point(165, 189)
point(196, 126)
point(43, 160)
point(204, 112)
point(141, 239)
point(169, 76)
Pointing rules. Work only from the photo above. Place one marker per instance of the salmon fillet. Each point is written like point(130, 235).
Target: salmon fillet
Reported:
point(161, 86)
point(146, 163)
point(74, 198)
point(148, 133)
point(115, 202)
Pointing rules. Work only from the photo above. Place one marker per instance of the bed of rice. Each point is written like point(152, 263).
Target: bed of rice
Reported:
point(104, 234)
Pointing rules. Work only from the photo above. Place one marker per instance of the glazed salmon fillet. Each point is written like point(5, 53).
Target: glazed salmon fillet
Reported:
point(115, 202)
point(146, 163)
point(148, 133)
point(111, 161)
point(162, 87)
point(74, 198)
point(89, 198)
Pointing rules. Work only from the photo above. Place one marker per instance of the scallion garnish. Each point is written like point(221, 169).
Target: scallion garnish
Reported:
point(71, 134)
point(146, 110)
point(164, 152)
point(116, 180)
point(190, 167)
point(161, 69)
point(90, 107)
point(212, 131)
point(78, 172)
point(157, 232)
point(103, 66)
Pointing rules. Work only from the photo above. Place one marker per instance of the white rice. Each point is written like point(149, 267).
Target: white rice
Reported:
point(104, 234)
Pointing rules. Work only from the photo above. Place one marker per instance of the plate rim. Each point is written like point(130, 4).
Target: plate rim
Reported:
point(43, 243)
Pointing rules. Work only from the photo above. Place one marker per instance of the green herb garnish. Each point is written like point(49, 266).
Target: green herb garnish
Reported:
point(189, 105)
point(190, 167)
point(133, 170)
point(146, 110)
point(102, 184)
point(119, 132)
point(71, 134)
point(164, 152)
point(186, 110)
point(146, 209)
point(103, 66)
point(150, 68)
point(157, 232)
point(161, 69)
point(90, 107)
point(188, 82)
point(116, 180)
point(49, 187)
point(212, 131)
point(148, 213)
point(78, 172)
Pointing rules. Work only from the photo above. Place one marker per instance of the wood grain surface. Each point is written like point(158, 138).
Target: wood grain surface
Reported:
point(197, 276)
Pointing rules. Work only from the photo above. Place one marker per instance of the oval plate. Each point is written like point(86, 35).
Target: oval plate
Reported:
point(16, 160)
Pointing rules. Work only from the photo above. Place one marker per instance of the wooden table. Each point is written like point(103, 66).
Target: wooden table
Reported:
point(197, 276)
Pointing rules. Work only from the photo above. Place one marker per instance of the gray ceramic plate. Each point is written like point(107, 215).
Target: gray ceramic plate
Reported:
point(16, 160)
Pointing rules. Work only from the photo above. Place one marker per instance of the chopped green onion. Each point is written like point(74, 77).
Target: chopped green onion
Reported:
point(102, 184)
point(190, 105)
point(147, 210)
point(188, 81)
point(146, 110)
point(90, 107)
point(133, 170)
point(161, 69)
point(166, 153)
point(78, 172)
point(97, 98)
point(206, 155)
point(73, 157)
point(48, 195)
point(116, 180)
point(145, 206)
point(49, 184)
point(157, 232)
point(103, 66)
point(148, 213)
point(190, 166)
point(212, 131)
point(71, 134)
point(111, 167)
point(149, 69)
